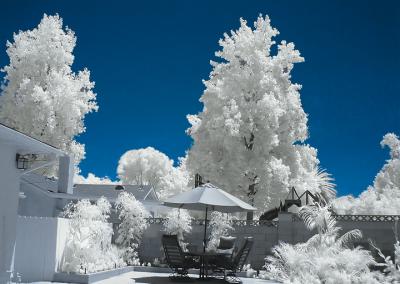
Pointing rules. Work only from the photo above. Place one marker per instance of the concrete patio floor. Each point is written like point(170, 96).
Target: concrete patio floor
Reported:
point(162, 278)
point(136, 277)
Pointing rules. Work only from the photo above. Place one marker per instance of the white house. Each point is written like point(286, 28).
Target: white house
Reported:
point(32, 238)
point(42, 199)
point(18, 154)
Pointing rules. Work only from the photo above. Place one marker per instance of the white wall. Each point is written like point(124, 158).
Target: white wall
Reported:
point(36, 203)
point(39, 248)
point(9, 191)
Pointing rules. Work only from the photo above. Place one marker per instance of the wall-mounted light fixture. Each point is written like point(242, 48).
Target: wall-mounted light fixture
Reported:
point(22, 161)
point(25, 161)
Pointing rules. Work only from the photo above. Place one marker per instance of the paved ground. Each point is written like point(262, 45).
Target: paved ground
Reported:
point(162, 278)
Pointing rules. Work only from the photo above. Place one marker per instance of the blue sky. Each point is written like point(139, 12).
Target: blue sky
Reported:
point(148, 59)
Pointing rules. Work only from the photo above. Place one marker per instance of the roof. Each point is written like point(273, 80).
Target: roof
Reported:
point(95, 191)
point(25, 143)
point(89, 191)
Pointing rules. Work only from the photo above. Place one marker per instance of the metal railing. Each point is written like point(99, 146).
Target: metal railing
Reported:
point(358, 218)
point(235, 223)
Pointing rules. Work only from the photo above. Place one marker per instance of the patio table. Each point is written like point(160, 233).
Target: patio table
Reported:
point(204, 261)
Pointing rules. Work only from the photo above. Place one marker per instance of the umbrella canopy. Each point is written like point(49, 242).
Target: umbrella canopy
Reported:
point(208, 196)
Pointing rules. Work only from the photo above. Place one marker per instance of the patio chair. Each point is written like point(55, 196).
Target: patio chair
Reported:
point(231, 265)
point(176, 259)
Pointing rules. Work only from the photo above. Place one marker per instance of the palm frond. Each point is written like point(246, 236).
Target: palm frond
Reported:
point(349, 237)
point(320, 218)
point(326, 186)
point(309, 214)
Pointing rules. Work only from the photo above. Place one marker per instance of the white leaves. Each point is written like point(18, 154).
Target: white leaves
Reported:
point(132, 215)
point(89, 238)
point(178, 222)
point(392, 141)
point(92, 179)
point(324, 258)
point(382, 198)
point(149, 166)
point(143, 166)
point(220, 225)
point(41, 94)
point(252, 121)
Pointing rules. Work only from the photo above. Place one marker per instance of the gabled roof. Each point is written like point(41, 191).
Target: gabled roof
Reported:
point(89, 191)
point(25, 143)
point(109, 191)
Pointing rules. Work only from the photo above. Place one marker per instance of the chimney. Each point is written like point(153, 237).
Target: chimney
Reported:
point(65, 174)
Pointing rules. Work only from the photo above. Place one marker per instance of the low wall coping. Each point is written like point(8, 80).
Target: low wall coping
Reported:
point(90, 277)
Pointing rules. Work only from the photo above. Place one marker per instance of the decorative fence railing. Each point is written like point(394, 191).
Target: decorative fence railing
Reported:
point(235, 223)
point(359, 218)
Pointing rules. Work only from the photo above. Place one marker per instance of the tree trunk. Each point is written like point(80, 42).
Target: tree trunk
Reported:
point(250, 214)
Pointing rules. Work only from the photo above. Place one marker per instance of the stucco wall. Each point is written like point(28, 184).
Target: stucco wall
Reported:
point(289, 229)
point(380, 230)
point(39, 247)
point(41, 241)
point(264, 238)
point(9, 191)
point(36, 203)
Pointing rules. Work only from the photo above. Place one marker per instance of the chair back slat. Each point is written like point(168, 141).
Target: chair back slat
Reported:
point(243, 254)
point(173, 252)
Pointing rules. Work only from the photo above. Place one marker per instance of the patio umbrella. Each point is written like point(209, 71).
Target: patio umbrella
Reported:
point(205, 197)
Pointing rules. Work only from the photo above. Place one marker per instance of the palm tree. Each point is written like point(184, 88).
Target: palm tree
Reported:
point(325, 258)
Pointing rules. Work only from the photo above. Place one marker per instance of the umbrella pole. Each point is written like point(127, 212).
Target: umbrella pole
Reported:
point(205, 232)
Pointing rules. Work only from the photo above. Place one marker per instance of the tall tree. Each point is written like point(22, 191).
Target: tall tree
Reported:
point(248, 138)
point(383, 196)
point(41, 95)
point(148, 166)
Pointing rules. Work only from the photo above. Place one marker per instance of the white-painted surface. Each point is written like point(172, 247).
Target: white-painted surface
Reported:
point(39, 248)
point(9, 191)
point(36, 203)
point(11, 143)
point(65, 174)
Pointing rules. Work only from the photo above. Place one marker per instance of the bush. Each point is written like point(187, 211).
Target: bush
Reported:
point(133, 224)
point(219, 226)
point(88, 247)
point(324, 258)
point(178, 222)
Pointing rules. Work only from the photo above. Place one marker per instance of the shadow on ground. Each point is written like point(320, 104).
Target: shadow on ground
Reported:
point(165, 279)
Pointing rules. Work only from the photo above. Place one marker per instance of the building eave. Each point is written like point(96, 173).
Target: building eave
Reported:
point(26, 144)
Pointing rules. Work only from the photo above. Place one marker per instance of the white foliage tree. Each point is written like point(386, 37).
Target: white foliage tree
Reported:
point(88, 247)
point(176, 181)
point(178, 222)
point(325, 258)
point(149, 166)
point(132, 215)
point(220, 225)
point(247, 139)
point(92, 179)
point(383, 196)
point(41, 95)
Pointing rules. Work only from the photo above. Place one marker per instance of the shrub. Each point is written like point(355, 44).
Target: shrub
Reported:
point(178, 222)
point(133, 224)
point(324, 258)
point(220, 225)
point(88, 247)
